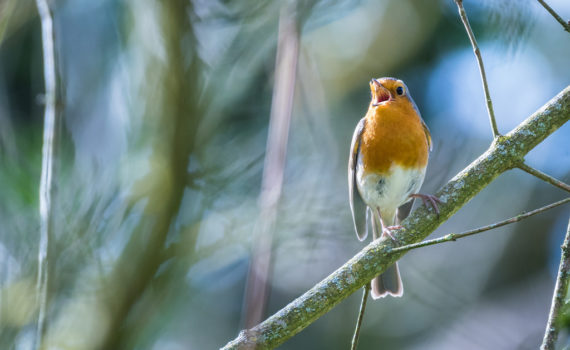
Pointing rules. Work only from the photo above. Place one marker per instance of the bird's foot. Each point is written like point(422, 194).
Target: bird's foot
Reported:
point(388, 232)
point(428, 200)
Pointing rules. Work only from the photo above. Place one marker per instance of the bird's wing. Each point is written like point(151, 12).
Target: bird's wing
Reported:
point(424, 125)
point(428, 134)
point(357, 205)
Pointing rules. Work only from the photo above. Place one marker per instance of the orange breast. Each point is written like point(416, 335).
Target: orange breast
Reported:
point(393, 134)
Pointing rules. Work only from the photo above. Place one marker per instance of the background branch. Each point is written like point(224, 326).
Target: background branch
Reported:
point(489, 102)
point(48, 146)
point(560, 291)
point(504, 153)
point(177, 113)
point(256, 290)
point(565, 25)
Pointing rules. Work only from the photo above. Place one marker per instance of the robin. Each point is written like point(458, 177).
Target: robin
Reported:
point(386, 168)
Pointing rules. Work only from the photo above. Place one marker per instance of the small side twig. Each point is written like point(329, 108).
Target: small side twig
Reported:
point(455, 236)
point(565, 25)
point(560, 290)
point(477, 52)
point(354, 343)
point(544, 177)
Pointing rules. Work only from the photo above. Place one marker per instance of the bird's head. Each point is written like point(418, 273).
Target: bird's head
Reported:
point(387, 90)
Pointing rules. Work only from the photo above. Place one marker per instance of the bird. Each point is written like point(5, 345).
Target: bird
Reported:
point(387, 164)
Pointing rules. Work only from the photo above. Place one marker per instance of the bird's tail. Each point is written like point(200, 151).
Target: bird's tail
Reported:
point(389, 282)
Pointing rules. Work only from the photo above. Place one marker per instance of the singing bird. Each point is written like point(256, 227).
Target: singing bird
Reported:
point(386, 168)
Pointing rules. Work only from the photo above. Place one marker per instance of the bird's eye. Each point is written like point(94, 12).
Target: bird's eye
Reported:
point(400, 90)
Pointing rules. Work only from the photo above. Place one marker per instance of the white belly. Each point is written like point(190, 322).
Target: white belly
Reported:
point(387, 193)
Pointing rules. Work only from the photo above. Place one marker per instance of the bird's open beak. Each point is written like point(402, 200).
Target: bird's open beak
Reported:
point(379, 93)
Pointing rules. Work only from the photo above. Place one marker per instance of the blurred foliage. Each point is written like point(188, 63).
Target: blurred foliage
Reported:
point(165, 106)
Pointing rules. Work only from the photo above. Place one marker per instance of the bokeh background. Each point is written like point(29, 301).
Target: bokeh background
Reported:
point(165, 107)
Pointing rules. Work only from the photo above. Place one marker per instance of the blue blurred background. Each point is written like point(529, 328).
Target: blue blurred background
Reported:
point(165, 108)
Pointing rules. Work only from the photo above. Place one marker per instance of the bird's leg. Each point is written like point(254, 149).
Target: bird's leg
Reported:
point(387, 230)
point(428, 200)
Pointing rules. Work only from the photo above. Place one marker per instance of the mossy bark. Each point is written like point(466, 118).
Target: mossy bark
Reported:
point(505, 153)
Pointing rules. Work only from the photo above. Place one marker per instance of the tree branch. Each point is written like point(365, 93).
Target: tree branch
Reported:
point(560, 291)
point(455, 236)
point(477, 52)
point(565, 25)
point(544, 177)
point(505, 153)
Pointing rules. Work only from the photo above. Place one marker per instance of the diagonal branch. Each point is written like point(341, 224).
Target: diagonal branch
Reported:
point(560, 291)
point(505, 153)
point(565, 25)
point(544, 177)
point(477, 52)
point(455, 236)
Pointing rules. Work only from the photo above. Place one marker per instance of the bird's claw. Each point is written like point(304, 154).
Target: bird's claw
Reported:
point(428, 200)
point(388, 232)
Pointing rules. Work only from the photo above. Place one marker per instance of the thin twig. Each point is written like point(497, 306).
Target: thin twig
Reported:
point(560, 290)
point(354, 343)
point(544, 177)
point(477, 52)
point(566, 25)
point(455, 236)
point(45, 191)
